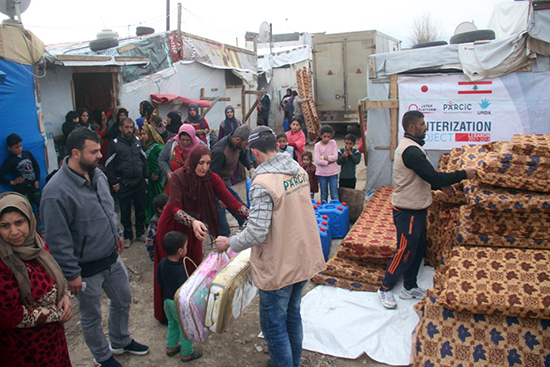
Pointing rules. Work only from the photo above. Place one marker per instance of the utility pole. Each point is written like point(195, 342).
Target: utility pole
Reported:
point(179, 30)
point(167, 15)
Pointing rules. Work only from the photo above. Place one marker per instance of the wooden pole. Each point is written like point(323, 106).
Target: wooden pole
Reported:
point(179, 26)
point(243, 101)
point(362, 128)
point(394, 116)
point(202, 97)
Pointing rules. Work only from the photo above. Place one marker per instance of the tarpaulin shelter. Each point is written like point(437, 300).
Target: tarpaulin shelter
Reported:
point(19, 51)
point(163, 63)
point(464, 90)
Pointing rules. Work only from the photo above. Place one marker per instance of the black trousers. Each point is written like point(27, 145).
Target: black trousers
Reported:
point(138, 195)
point(347, 182)
point(411, 246)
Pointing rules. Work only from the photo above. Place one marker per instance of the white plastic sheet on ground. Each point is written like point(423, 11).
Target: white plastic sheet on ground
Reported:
point(347, 324)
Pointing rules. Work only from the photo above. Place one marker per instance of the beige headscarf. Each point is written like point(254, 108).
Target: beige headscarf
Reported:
point(153, 135)
point(32, 248)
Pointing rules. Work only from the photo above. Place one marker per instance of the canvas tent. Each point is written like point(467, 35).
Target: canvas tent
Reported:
point(278, 72)
point(502, 84)
point(192, 67)
point(19, 51)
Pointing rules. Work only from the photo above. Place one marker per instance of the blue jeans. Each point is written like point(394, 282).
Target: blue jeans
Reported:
point(324, 183)
point(224, 225)
point(114, 283)
point(281, 324)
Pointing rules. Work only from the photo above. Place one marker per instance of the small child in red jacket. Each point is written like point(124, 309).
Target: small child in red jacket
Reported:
point(309, 167)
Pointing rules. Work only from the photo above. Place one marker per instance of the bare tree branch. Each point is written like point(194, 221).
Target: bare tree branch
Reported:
point(425, 30)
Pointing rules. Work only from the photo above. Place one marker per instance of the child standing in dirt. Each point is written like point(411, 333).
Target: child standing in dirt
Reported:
point(158, 203)
point(326, 154)
point(348, 159)
point(283, 145)
point(309, 167)
point(171, 275)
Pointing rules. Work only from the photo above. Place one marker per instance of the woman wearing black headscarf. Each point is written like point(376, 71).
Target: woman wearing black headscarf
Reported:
point(229, 124)
point(199, 123)
point(173, 121)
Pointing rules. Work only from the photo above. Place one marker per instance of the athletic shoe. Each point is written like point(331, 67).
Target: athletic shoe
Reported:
point(127, 243)
point(132, 348)
point(416, 293)
point(140, 238)
point(387, 299)
point(111, 362)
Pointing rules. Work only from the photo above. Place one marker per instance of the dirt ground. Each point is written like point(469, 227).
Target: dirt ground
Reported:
point(240, 346)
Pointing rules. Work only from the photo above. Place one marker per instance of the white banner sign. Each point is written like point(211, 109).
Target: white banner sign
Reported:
point(458, 111)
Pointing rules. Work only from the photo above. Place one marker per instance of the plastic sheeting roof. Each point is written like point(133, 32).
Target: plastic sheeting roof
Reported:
point(514, 53)
point(162, 50)
point(281, 57)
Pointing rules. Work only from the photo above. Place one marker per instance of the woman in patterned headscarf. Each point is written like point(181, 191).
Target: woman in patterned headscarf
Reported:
point(33, 304)
point(195, 119)
point(152, 143)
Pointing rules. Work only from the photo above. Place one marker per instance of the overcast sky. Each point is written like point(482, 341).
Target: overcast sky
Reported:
point(56, 21)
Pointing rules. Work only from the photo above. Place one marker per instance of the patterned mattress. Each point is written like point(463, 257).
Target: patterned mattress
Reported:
point(445, 338)
point(531, 144)
point(373, 236)
point(489, 281)
point(503, 229)
point(487, 197)
point(338, 282)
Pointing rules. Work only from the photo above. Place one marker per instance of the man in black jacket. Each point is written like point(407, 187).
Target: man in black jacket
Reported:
point(226, 155)
point(414, 177)
point(126, 166)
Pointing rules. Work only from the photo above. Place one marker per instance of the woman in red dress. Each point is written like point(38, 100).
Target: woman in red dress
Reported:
point(200, 124)
point(33, 302)
point(192, 210)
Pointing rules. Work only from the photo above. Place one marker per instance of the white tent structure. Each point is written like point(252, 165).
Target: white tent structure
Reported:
point(470, 93)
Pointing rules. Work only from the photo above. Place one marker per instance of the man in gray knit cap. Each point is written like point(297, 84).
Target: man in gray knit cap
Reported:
point(286, 249)
point(226, 155)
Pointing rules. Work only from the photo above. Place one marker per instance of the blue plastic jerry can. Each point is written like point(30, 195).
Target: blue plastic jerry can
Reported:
point(326, 241)
point(338, 214)
point(248, 184)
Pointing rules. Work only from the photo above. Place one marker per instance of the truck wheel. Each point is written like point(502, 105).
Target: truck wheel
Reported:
point(103, 44)
point(479, 35)
point(430, 44)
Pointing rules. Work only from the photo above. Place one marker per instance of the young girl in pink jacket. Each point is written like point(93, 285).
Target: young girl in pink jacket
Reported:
point(326, 154)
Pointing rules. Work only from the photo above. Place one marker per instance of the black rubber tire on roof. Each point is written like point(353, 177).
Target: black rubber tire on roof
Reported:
point(430, 44)
point(142, 31)
point(479, 35)
point(103, 44)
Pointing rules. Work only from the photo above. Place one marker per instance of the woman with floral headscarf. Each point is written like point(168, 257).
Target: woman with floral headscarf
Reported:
point(34, 302)
point(192, 210)
point(176, 150)
point(152, 144)
point(195, 119)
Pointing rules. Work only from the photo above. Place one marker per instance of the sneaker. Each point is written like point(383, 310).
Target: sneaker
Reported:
point(416, 293)
point(140, 238)
point(127, 243)
point(387, 299)
point(132, 348)
point(111, 362)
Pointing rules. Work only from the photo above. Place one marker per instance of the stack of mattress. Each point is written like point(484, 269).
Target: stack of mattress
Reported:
point(490, 304)
point(361, 261)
